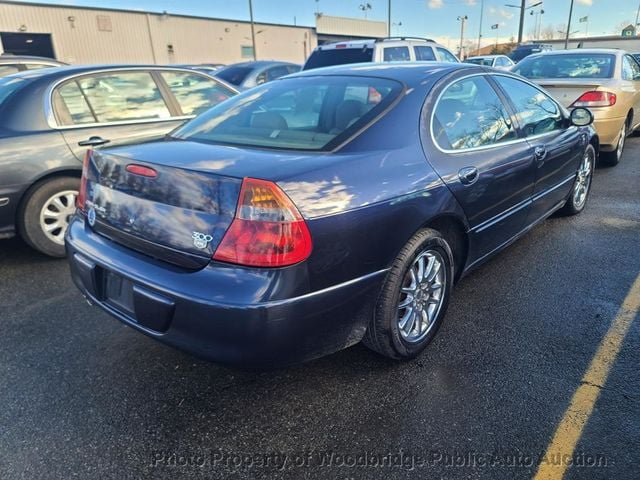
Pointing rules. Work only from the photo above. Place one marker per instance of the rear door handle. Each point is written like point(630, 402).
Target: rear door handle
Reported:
point(540, 153)
point(93, 142)
point(468, 175)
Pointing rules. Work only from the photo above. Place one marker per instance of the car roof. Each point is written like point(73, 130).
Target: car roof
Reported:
point(258, 63)
point(408, 72)
point(610, 51)
point(371, 42)
point(9, 58)
point(67, 70)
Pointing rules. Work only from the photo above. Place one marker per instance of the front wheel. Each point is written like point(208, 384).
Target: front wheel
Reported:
point(414, 297)
point(582, 184)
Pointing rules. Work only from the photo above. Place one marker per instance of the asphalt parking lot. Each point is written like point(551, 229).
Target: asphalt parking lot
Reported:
point(82, 396)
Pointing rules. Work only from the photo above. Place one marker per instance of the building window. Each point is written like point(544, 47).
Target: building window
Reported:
point(246, 51)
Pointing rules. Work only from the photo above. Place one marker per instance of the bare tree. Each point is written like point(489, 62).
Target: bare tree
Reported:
point(548, 33)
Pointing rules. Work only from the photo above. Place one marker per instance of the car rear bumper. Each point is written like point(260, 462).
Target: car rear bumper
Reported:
point(190, 310)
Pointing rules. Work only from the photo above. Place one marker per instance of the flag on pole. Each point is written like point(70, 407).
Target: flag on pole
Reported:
point(494, 26)
point(584, 19)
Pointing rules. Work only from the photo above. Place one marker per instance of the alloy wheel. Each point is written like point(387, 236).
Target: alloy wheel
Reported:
point(55, 215)
point(621, 140)
point(583, 180)
point(421, 296)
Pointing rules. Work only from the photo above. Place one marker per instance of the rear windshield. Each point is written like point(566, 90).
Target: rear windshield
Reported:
point(315, 113)
point(9, 85)
point(338, 56)
point(488, 62)
point(579, 65)
point(234, 75)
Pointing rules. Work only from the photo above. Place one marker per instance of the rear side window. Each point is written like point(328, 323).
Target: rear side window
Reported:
point(446, 56)
point(124, 96)
point(338, 56)
point(112, 97)
point(424, 53)
point(70, 105)
point(396, 54)
point(630, 68)
point(579, 65)
point(195, 93)
point(470, 114)
point(314, 113)
point(536, 112)
point(277, 72)
point(486, 62)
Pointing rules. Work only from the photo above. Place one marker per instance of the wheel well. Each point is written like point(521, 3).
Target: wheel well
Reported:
point(595, 142)
point(62, 173)
point(455, 234)
point(630, 118)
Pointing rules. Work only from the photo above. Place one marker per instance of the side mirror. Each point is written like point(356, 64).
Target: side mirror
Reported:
point(581, 117)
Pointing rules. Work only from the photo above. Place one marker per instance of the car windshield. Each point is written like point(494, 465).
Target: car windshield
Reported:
point(338, 56)
point(234, 75)
point(487, 62)
point(314, 113)
point(579, 65)
point(9, 85)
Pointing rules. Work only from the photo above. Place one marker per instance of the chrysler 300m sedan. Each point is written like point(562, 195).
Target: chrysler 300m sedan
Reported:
point(49, 117)
point(326, 208)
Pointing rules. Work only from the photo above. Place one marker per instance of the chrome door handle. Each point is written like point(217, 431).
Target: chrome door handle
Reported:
point(468, 175)
point(93, 142)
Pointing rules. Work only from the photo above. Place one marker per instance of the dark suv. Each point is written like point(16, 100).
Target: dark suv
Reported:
point(522, 51)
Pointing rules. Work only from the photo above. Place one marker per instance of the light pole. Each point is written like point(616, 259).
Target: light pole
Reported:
point(253, 31)
point(389, 19)
point(566, 39)
point(523, 7)
point(480, 28)
point(462, 19)
point(537, 24)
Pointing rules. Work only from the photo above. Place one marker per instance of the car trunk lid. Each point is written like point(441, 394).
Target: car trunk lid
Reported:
point(567, 91)
point(174, 213)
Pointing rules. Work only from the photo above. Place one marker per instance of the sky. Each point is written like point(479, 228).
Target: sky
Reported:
point(423, 18)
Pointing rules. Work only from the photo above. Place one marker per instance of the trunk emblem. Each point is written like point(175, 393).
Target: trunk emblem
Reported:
point(201, 240)
point(91, 216)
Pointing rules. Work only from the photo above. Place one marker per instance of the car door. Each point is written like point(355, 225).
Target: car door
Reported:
point(113, 108)
point(479, 155)
point(557, 145)
point(424, 53)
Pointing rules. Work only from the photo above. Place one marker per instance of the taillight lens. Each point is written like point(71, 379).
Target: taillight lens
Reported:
point(267, 231)
point(596, 99)
point(82, 194)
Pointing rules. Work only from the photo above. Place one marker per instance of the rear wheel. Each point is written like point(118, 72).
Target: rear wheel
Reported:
point(45, 213)
point(582, 184)
point(613, 158)
point(414, 297)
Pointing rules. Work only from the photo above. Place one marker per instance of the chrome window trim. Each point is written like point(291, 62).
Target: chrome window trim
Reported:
point(48, 97)
point(563, 111)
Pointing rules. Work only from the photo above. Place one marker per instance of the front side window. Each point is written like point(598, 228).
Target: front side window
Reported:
point(277, 72)
point(36, 66)
point(234, 75)
point(424, 53)
point(314, 113)
point(574, 65)
point(486, 62)
point(470, 114)
point(446, 56)
point(195, 93)
point(396, 54)
point(123, 96)
point(535, 111)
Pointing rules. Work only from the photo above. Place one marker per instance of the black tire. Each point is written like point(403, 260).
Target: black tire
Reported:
point(29, 224)
point(613, 158)
point(383, 333)
point(573, 207)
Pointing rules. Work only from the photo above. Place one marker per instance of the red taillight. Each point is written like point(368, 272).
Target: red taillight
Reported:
point(142, 171)
point(267, 231)
point(82, 194)
point(596, 99)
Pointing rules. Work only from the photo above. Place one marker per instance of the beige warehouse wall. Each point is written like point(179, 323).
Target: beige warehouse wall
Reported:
point(145, 38)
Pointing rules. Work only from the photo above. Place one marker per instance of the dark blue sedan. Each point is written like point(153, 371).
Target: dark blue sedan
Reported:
point(324, 209)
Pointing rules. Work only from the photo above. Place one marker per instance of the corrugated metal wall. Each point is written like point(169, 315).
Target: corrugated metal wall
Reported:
point(328, 25)
point(103, 36)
